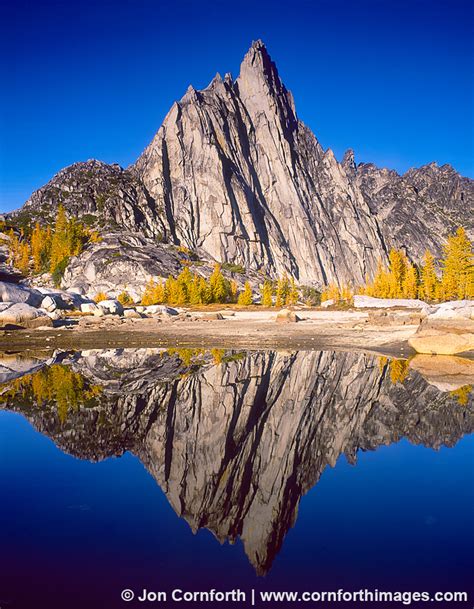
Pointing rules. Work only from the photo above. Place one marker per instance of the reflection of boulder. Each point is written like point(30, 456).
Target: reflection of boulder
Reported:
point(444, 336)
point(234, 446)
point(446, 372)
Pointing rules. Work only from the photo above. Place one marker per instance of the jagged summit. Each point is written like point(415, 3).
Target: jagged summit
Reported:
point(258, 59)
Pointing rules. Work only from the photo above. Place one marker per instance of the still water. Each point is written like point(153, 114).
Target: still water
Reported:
point(164, 469)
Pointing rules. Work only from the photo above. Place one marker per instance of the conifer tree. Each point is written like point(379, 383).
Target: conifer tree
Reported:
point(428, 279)
point(219, 286)
point(205, 291)
point(195, 292)
point(282, 290)
point(24, 258)
point(234, 289)
point(458, 267)
point(292, 295)
point(267, 294)
point(245, 297)
point(410, 282)
point(398, 264)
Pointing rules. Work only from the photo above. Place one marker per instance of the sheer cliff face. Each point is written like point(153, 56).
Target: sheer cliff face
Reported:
point(234, 446)
point(239, 176)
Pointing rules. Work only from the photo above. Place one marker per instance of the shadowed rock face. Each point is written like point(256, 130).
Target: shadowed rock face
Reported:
point(234, 446)
point(234, 174)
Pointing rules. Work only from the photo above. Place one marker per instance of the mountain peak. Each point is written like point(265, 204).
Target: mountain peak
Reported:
point(257, 62)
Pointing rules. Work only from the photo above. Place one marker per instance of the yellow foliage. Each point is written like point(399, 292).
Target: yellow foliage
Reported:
point(282, 290)
point(49, 248)
point(154, 293)
point(292, 295)
point(124, 298)
point(462, 394)
point(245, 297)
point(428, 279)
point(217, 355)
point(100, 296)
point(57, 385)
point(267, 294)
point(340, 294)
point(401, 279)
point(398, 368)
point(458, 267)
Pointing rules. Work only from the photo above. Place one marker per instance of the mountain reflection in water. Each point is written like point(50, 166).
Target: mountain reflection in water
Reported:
point(235, 439)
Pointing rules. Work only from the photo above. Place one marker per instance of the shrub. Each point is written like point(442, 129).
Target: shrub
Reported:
point(233, 268)
point(100, 296)
point(124, 298)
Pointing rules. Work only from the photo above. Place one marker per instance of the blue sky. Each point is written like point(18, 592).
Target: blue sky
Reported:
point(391, 79)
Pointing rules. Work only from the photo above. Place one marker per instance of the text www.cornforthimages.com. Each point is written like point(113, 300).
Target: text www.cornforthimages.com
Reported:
point(256, 597)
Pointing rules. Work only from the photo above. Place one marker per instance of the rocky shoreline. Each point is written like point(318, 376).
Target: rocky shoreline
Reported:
point(47, 319)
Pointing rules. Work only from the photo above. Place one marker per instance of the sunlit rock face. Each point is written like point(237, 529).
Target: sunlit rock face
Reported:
point(241, 177)
point(235, 444)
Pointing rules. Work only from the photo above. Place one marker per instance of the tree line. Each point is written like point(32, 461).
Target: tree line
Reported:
point(193, 289)
point(45, 249)
point(450, 278)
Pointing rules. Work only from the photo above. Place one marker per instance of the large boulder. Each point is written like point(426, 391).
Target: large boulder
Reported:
point(369, 302)
point(159, 310)
point(444, 337)
point(111, 307)
point(458, 309)
point(11, 292)
point(285, 316)
point(49, 304)
point(22, 314)
point(89, 307)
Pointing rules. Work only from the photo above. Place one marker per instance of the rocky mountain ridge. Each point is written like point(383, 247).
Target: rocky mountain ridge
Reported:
point(234, 173)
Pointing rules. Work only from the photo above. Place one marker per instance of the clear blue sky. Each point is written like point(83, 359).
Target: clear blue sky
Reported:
point(80, 80)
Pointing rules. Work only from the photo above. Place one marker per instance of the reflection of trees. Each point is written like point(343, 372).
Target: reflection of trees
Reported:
point(398, 368)
point(57, 385)
point(462, 394)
